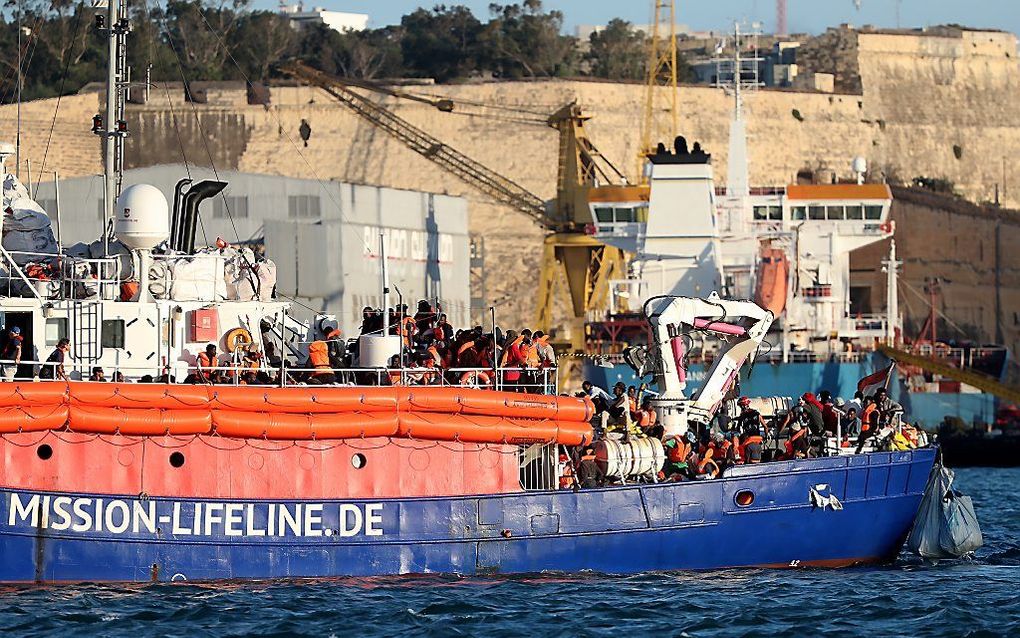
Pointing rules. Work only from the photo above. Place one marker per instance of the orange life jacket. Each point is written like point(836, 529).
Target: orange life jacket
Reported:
point(318, 353)
point(206, 361)
point(866, 417)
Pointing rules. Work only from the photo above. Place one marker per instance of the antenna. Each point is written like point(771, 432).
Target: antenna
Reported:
point(113, 131)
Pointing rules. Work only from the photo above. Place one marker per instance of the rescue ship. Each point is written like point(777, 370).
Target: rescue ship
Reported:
point(150, 479)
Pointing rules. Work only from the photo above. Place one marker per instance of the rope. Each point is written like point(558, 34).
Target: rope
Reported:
point(60, 92)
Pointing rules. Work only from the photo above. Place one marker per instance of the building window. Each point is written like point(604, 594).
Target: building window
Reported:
point(761, 213)
point(775, 213)
point(855, 212)
point(604, 214)
point(113, 333)
point(872, 212)
point(835, 212)
point(56, 329)
point(230, 206)
point(303, 207)
point(798, 213)
point(816, 212)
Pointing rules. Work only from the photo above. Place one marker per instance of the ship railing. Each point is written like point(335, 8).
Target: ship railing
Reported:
point(530, 380)
point(53, 277)
point(540, 467)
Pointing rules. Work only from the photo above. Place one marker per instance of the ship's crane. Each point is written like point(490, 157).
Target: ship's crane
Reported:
point(587, 263)
point(741, 324)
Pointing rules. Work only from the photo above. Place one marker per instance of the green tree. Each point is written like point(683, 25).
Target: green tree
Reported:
point(260, 41)
point(441, 43)
point(618, 52)
point(374, 53)
point(522, 40)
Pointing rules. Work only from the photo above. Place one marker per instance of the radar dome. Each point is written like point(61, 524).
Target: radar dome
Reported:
point(860, 165)
point(142, 218)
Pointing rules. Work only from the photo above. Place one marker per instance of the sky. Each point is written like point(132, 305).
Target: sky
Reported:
point(811, 16)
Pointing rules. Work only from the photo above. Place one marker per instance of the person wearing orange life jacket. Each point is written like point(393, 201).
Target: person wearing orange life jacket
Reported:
point(798, 447)
point(566, 472)
point(588, 472)
point(678, 453)
point(751, 447)
point(206, 360)
point(546, 353)
point(708, 467)
point(318, 358)
point(647, 420)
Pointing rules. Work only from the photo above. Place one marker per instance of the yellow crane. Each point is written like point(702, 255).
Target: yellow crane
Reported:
point(980, 381)
point(661, 118)
point(586, 264)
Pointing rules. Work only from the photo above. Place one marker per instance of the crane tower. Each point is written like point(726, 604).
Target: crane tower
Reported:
point(661, 121)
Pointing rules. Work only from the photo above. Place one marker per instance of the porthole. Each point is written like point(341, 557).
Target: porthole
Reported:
point(358, 461)
point(44, 452)
point(177, 459)
point(744, 498)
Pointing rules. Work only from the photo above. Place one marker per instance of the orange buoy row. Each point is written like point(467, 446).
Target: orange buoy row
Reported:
point(298, 413)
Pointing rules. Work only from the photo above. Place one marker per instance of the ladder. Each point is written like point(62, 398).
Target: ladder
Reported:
point(86, 346)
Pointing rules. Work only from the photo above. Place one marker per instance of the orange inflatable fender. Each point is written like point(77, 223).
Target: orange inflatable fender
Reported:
point(267, 425)
point(32, 418)
point(139, 421)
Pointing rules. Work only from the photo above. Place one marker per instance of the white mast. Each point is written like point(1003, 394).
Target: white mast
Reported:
point(737, 180)
point(892, 306)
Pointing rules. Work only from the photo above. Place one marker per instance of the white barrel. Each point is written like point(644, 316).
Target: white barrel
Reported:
point(375, 351)
point(642, 456)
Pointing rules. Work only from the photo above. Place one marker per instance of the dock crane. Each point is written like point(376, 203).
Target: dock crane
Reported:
point(587, 264)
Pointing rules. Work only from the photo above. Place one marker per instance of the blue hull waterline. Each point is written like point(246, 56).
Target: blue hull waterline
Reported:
point(792, 379)
point(48, 536)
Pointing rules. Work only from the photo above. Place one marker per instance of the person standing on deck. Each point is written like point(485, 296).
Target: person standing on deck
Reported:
point(54, 366)
point(12, 350)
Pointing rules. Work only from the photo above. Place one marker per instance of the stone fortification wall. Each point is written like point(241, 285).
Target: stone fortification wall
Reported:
point(71, 148)
point(939, 104)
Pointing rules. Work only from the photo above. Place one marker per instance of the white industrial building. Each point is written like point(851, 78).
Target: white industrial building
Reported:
point(323, 236)
point(337, 20)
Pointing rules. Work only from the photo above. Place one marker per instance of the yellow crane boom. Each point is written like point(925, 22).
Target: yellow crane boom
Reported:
point(980, 381)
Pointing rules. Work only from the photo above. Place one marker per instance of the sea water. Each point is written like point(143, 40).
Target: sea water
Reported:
point(910, 598)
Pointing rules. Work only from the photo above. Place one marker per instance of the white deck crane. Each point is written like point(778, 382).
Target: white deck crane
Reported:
point(741, 324)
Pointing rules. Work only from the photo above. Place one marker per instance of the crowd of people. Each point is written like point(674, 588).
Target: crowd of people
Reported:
point(744, 436)
point(432, 352)
point(435, 353)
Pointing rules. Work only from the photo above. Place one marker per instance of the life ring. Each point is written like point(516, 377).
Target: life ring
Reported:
point(237, 339)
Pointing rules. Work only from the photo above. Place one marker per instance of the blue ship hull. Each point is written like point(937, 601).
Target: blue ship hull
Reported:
point(626, 529)
point(791, 379)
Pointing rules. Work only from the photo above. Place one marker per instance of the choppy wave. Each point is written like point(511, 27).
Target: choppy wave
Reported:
point(911, 598)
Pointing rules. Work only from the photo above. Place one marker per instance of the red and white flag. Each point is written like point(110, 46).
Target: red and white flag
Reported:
point(876, 380)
